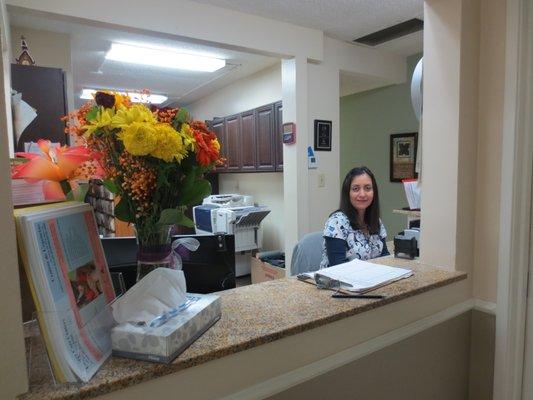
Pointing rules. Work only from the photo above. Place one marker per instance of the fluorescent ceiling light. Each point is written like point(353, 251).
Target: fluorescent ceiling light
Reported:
point(166, 58)
point(87, 94)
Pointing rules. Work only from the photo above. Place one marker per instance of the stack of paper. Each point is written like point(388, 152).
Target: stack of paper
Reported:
point(412, 193)
point(359, 276)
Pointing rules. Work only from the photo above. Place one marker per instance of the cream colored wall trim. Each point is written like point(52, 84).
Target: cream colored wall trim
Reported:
point(515, 206)
point(283, 382)
point(485, 306)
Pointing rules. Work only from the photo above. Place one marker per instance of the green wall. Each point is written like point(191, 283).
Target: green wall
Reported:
point(367, 121)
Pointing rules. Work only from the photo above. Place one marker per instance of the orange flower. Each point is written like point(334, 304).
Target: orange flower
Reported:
point(56, 165)
point(207, 146)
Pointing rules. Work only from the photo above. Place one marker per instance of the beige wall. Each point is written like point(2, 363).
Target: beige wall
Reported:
point(490, 123)
point(482, 337)
point(261, 88)
point(415, 368)
point(13, 379)
point(48, 49)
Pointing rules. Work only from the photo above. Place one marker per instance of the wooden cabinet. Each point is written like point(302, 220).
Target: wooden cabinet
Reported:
point(252, 140)
point(233, 142)
point(248, 141)
point(217, 125)
point(44, 89)
point(278, 117)
point(265, 139)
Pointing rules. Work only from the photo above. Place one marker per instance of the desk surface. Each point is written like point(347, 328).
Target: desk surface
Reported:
point(251, 316)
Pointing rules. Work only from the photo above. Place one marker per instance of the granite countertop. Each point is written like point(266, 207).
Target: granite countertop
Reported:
point(251, 316)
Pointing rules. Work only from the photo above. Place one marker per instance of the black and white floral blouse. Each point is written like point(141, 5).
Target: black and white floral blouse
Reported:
point(361, 246)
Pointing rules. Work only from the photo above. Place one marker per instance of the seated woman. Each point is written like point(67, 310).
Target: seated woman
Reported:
point(355, 229)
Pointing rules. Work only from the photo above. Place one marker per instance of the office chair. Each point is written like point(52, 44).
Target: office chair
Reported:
point(307, 253)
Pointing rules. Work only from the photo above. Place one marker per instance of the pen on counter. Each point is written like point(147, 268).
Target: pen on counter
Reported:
point(358, 296)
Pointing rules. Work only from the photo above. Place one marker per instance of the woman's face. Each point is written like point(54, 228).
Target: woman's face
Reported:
point(361, 192)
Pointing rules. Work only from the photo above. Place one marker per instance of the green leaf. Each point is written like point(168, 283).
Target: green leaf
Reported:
point(194, 194)
point(92, 113)
point(176, 216)
point(111, 186)
point(181, 116)
point(123, 211)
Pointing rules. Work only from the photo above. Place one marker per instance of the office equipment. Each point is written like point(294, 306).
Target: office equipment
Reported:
point(406, 243)
point(355, 276)
point(209, 269)
point(232, 214)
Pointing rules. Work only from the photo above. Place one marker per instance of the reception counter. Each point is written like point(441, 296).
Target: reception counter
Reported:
point(266, 330)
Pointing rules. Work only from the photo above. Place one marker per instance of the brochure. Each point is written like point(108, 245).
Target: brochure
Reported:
point(70, 283)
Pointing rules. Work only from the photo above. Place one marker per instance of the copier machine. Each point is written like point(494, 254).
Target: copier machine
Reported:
point(232, 214)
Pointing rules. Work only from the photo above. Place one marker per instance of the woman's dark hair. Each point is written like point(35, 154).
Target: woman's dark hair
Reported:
point(371, 213)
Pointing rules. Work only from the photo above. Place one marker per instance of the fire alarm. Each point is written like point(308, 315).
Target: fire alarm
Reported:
point(289, 133)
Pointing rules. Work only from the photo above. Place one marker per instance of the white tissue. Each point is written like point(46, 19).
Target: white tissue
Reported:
point(160, 291)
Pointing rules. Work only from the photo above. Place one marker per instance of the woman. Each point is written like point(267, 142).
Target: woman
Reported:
point(355, 229)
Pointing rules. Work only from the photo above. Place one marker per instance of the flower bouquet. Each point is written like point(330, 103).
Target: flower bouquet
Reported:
point(154, 161)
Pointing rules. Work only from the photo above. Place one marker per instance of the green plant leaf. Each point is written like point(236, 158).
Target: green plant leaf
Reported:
point(92, 113)
point(123, 212)
point(181, 116)
point(176, 216)
point(111, 186)
point(194, 194)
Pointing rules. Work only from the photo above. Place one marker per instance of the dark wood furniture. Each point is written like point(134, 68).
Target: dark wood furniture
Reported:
point(251, 141)
point(44, 89)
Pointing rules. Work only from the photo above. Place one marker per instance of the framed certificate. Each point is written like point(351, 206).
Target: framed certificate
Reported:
point(403, 148)
point(322, 135)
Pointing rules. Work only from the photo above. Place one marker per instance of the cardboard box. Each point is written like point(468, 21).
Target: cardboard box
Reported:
point(166, 342)
point(263, 271)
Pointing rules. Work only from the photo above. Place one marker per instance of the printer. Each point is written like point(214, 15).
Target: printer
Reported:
point(232, 214)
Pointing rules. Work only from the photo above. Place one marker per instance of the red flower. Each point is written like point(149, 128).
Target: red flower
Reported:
point(207, 146)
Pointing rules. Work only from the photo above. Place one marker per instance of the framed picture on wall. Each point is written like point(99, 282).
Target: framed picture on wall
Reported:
point(403, 148)
point(322, 135)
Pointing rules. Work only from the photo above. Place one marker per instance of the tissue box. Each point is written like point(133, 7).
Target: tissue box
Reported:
point(166, 342)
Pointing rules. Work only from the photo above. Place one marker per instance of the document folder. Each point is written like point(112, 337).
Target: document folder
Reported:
point(355, 276)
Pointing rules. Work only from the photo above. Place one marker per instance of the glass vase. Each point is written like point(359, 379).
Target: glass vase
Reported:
point(153, 249)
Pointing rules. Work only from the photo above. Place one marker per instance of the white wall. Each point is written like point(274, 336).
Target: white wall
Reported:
point(258, 89)
point(324, 103)
point(490, 123)
point(48, 49)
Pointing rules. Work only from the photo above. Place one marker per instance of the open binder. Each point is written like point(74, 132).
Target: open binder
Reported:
point(355, 276)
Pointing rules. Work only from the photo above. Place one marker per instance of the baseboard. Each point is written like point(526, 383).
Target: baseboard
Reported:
point(283, 382)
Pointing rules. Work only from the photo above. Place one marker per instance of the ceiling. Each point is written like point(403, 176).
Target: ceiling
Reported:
point(90, 69)
point(341, 19)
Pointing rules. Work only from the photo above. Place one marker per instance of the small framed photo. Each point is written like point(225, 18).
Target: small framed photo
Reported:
point(322, 135)
point(403, 149)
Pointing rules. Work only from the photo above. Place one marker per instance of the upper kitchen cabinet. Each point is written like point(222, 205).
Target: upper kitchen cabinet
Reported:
point(265, 138)
point(252, 140)
point(278, 114)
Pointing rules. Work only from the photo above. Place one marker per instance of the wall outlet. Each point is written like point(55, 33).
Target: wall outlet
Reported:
point(321, 180)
